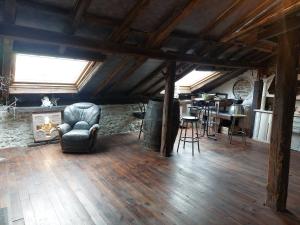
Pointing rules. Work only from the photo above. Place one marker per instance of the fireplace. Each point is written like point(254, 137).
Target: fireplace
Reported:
point(44, 126)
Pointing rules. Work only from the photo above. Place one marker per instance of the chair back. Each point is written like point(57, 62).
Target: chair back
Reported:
point(82, 111)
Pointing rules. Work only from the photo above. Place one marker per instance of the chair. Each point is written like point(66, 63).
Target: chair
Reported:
point(140, 115)
point(192, 119)
point(79, 130)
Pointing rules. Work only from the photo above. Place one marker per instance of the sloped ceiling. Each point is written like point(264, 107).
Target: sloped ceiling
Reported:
point(208, 30)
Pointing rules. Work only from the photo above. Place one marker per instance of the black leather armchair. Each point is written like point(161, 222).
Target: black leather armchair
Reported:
point(78, 133)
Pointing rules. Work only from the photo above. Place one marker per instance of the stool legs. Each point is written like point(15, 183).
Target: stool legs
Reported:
point(187, 124)
point(180, 136)
point(197, 133)
point(193, 138)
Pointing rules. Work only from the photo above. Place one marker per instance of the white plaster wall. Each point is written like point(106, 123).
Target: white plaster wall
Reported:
point(227, 86)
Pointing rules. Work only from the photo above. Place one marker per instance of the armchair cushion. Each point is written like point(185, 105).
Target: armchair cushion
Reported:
point(64, 128)
point(81, 125)
point(76, 135)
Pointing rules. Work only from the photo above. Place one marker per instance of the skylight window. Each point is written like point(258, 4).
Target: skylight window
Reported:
point(48, 70)
point(192, 80)
point(193, 77)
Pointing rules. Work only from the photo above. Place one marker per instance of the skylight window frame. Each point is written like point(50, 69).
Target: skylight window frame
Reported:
point(21, 87)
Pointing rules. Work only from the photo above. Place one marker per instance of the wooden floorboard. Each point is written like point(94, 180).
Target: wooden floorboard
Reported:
point(124, 184)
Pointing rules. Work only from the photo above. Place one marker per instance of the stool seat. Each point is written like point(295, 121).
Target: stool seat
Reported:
point(190, 118)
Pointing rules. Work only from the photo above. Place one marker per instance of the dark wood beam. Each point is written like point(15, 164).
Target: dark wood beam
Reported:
point(281, 10)
point(77, 15)
point(166, 131)
point(283, 114)
point(156, 88)
point(213, 23)
point(9, 11)
point(30, 48)
point(148, 78)
point(106, 47)
point(178, 14)
point(7, 44)
point(162, 33)
point(112, 75)
point(280, 27)
point(118, 35)
point(121, 31)
point(7, 57)
point(257, 13)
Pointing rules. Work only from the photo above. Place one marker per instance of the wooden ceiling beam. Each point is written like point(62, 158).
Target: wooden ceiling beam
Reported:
point(179, 14)
point(30, 48)
point(282, 10)
point(221, 17)
point(163, 32)
point(121, 31)
point(148, 78)
point(159, 80)
point(276, 29)
point(106, 47)
point(9, 11)
point(7, 43)
point(7, 57)
point(189, 69)
point(260, 10)
point(118, 35)
point(77, 14)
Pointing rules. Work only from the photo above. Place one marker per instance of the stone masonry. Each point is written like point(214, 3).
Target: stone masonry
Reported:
point(114, 119)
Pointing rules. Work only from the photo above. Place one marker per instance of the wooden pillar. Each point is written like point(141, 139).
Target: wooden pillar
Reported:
point(283, 112)
point(166, 134)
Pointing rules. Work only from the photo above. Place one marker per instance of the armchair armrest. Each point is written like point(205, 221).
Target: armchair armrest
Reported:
point(93, 129)
point(63, 128)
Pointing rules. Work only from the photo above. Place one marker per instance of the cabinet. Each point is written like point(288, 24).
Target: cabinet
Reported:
point(263, 125)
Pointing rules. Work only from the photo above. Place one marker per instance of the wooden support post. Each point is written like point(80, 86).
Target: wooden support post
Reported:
point(166, 134)
point(283, 113)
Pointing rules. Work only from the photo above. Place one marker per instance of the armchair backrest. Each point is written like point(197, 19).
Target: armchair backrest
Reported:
point(82, 111)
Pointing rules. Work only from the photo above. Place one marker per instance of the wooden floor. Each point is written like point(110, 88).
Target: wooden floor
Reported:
point(123, 184)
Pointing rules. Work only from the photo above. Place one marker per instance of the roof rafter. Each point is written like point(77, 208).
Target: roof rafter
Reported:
point(41, 36)
point(221, 17)
point(280, 27)
point(280, 11)
point(181, 74)
point(163, 32)
point(9, 11)
point(257, 13)
point(120, 32)
point(77, 14)
point(7, 43)
point(148, 78)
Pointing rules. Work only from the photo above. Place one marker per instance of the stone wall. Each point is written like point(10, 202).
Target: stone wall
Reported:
point(117, 119)
point(114, 119)
point(15, 132)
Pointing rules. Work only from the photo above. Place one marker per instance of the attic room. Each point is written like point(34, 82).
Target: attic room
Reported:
point(149, 112)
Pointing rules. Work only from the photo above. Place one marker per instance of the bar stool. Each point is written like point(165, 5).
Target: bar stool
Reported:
point(193, 120)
